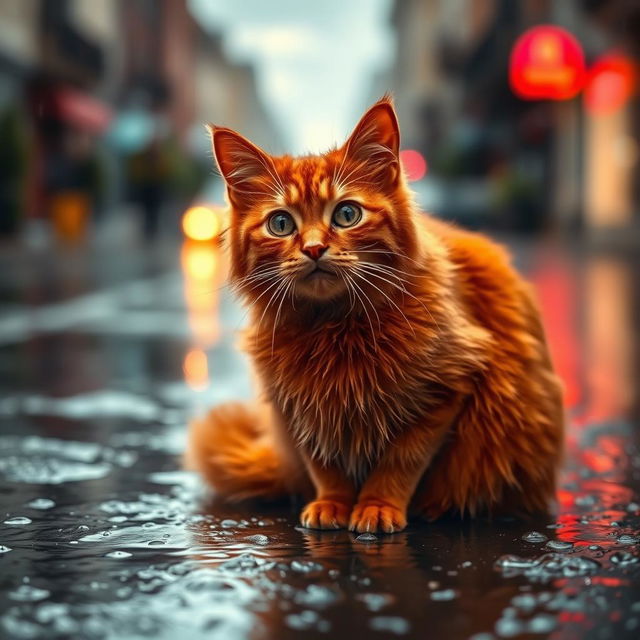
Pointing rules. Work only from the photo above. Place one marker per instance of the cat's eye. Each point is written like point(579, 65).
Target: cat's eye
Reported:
point(346, 214)
point(281, 224)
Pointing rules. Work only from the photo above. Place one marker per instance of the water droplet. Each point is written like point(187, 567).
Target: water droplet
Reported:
point(627, 539)
point(508, 627)
point(28, 593)
point(623, 558)
point(559, 545)
point(266, 522)
point(524, 602)
point(243, 563)
point(306, 566)
point(258, 539)
point(318, 596)
point(542, 623)
point(307, 620)
point(156, 543)
point(4, 549)
point(534, 536)
point(41, 503)
point(390, 624)
point(228, 523)
point(118, 555)
point(118, 519)
point(18, 521)
point(376, 601)
point(514, 562)
point(547, 566)
point(366, 537)
point(444, 595)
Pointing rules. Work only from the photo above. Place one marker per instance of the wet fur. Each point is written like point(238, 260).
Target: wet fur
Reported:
point(427, 389)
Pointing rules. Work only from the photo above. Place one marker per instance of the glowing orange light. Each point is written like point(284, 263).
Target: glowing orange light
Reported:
point(547, 63)
point(414, 164)
point(201, 223)
point(203, 274)
point(610, 84)
point(196, 369)
point(200, 262)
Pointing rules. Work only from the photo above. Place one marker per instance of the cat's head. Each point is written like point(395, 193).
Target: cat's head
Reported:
point(319, 228)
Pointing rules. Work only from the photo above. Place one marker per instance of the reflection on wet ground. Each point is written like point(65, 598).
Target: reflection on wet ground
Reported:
point(102, 535)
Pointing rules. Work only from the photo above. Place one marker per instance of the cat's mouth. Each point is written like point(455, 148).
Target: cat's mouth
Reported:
point(319, 273)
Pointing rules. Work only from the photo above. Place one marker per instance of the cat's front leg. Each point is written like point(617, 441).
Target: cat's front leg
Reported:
point(384, 497)
point(335, 495)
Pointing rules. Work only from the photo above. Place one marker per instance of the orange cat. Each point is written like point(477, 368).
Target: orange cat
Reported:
point(402, 361)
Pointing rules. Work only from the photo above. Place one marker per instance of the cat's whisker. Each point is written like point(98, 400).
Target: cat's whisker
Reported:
point(275, 322)
point(357, 288)
point(358, 273)
point(404, 291)
point(348, 287)
point(267, 268)
point(379, 269)
point(257, 277)
point(387, 266)
point(281, 285)
point(396, 253)
point(275, 280)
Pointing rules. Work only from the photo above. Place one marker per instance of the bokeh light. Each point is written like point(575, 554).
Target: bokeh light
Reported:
point(547, 63)
point(414, 164)
point(201, 223)
point(196, 369)
point(610, 84)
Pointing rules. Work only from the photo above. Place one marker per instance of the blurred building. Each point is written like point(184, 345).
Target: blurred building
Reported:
point(226, 94)
point(86, 85)
point(524, 164)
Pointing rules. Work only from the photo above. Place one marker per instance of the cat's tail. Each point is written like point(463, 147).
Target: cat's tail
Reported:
point(233, 449)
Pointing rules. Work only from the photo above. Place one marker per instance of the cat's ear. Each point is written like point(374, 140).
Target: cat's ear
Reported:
point(376, 140)
point(247, 170)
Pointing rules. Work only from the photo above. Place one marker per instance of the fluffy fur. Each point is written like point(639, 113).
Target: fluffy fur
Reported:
point(412, 376)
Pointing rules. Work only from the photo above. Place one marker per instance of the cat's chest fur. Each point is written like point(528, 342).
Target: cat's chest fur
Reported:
point(345, 390)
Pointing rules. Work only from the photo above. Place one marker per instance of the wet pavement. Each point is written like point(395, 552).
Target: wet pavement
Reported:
point(106, 352)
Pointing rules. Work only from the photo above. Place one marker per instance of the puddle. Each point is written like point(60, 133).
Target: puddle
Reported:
point(102, 535)
point(36, 460)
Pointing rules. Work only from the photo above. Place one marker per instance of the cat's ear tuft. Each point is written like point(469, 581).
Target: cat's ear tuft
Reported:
point(376, 139)
point(243, 165)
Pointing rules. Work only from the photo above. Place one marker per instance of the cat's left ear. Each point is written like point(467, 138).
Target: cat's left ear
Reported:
point(376, 141)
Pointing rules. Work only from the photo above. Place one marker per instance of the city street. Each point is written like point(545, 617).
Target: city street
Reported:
point(107, 350)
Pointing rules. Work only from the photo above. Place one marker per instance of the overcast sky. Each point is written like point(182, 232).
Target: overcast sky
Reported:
point(315, 60)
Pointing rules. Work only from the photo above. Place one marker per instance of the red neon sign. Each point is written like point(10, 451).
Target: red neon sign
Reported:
point(547, 63)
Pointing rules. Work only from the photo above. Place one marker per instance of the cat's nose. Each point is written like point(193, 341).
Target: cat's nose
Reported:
point(314, 249)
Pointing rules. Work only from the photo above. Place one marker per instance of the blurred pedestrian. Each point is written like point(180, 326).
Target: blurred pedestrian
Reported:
point(149, 173)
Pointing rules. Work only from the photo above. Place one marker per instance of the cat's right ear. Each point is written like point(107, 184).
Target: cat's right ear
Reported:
point(247, 170)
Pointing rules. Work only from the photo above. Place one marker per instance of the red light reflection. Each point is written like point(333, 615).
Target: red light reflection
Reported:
point(610, 84)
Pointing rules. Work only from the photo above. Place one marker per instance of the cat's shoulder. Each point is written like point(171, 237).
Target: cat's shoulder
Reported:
point(468, 248)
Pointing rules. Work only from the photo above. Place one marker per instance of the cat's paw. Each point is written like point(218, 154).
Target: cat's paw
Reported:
point(325, 514)
point(371, 516)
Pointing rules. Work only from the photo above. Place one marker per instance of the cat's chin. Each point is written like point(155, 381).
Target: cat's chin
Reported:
point(320, 286)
